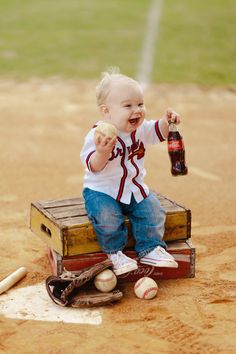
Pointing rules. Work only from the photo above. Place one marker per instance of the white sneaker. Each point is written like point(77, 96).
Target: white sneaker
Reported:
point(121, 263)
point(159, 258)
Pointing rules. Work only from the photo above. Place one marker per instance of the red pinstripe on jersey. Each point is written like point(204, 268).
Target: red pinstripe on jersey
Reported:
point(88, 158)
point(158, 131)
point(137, 170)
point(125, 173)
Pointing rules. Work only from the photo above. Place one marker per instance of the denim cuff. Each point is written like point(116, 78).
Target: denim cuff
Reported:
point(113, 251)
point(144, 253)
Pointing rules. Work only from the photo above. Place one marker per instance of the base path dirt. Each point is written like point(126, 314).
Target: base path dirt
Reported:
point(43, 123)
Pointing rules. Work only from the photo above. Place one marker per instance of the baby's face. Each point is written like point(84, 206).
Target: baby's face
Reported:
point(125, 106)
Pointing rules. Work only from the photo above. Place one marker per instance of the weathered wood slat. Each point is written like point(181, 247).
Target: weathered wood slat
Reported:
point(81, 220)
point(67, 211)
point(61, 203)
point(70, 211)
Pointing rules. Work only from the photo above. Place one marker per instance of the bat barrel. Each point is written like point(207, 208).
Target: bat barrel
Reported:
point(12, 279)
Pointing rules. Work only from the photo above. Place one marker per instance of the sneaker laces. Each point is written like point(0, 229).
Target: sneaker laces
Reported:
point(162, 253)
point(121, 259)
point(130, 260)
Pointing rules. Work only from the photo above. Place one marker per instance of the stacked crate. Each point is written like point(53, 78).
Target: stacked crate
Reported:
point(72, 243)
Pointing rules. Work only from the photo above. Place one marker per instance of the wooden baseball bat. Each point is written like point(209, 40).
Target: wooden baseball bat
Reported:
point(12, 279)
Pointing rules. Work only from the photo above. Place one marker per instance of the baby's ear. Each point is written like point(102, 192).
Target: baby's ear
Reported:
point(104, 110)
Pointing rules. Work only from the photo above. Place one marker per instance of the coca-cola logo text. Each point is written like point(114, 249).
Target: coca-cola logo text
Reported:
point(142, 272)
point(175, 145)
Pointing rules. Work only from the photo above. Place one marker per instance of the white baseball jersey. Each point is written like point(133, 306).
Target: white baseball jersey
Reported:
point(124, 173)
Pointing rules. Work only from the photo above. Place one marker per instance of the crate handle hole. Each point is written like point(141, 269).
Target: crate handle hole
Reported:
point(46, 230)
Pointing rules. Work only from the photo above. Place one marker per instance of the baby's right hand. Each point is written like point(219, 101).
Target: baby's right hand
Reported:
point(104, 145)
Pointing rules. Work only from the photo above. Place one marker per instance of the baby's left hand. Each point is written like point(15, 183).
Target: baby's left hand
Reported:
point(171, 116)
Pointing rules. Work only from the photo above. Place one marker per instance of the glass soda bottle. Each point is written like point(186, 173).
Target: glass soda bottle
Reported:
point(176, 152)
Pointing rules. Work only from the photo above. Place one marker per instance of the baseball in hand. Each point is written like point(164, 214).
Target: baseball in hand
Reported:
point(145, 288)
point(105, 130)
point(105, 281)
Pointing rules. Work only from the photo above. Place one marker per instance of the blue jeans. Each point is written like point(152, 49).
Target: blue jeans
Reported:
point(147, 219)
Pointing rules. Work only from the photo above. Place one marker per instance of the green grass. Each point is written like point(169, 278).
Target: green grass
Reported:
point(80, 38)
point(70, 38)
point(197, 42)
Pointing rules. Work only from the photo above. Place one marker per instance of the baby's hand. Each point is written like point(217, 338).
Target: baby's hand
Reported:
point(171, 116)
point(104, 145)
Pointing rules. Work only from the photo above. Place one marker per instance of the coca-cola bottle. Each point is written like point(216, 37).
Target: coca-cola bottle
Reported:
point(176, 152)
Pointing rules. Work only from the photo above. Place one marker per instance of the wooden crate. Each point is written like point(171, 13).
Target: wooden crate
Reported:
point(183, 252)
point(64, 225)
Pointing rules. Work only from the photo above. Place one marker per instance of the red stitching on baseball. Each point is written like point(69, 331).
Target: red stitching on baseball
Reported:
point(148, 291)
point(140, 281)
point(104, 280)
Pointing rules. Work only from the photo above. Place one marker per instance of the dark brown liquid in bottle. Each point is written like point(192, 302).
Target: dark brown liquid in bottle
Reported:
point(176, 152)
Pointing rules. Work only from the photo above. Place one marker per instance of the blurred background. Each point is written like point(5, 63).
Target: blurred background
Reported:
point(194, 41)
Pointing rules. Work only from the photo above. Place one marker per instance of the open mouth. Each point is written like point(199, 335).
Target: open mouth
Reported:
point(133, 121)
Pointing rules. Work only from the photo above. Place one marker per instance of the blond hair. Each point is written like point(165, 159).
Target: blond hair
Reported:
point(108, 78)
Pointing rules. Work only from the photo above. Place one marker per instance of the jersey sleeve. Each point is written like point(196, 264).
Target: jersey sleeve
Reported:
point(88, 149)
point(152, 132)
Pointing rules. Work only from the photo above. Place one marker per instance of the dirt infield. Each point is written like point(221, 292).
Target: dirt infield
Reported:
point(42, 128)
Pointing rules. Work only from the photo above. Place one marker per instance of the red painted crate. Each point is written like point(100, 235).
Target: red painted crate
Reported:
point(183, 252)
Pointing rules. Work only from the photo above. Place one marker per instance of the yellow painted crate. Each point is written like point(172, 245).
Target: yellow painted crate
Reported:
point(65, 226)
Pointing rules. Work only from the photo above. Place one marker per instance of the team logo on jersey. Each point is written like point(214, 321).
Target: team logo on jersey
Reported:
point(136, 149)
point(115, 153)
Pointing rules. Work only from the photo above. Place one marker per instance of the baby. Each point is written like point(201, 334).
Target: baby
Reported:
point(114, 178)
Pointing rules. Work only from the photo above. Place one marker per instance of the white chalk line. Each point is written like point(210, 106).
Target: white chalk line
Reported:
point(33, 303)
point(203, 174)
point(150, 39)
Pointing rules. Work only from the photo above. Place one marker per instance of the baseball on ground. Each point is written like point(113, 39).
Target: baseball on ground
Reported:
point(105, 130)
point(105, 281)
point(145, 288)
